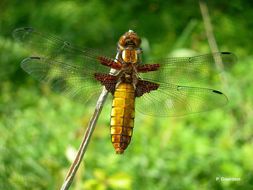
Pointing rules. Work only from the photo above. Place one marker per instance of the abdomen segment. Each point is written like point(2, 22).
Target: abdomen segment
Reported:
point(122, 116)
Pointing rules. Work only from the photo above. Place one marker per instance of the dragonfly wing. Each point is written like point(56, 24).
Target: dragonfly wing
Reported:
point(188, 70)
point(50, 46)
point(72, 80)
point(67, 68)
point(177, 100)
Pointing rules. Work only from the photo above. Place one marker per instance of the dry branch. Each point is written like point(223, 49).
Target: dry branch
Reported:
point(85, 141)
point(211, 38)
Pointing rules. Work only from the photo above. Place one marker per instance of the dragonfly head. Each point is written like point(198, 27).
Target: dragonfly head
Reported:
point(129, 40)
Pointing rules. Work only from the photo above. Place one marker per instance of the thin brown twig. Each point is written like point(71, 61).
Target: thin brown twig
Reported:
point(87, 135)
point(85, 141)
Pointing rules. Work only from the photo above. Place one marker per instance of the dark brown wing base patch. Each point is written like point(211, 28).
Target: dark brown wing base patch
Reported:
point(143, 87)
point(109, 62)
point(147, 68)
point(109, 81)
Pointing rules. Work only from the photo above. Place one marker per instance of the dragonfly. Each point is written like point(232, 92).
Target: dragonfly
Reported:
point(160, 88)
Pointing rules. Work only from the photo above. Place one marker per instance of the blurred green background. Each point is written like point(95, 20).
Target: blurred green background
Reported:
point(40, 130)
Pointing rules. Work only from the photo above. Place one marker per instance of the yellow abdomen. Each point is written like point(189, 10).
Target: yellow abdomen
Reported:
point(122, 116)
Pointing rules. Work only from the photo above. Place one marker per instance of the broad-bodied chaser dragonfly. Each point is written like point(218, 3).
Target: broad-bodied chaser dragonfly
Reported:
point(168, 87)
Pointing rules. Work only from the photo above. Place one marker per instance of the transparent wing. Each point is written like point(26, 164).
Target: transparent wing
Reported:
point(68, 69)
point(50, 46)
point(71, 80)
point(188, 70)
point(182, 85)
point(176, 100)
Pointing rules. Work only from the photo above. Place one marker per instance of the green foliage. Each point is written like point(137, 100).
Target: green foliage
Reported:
point(40, 130)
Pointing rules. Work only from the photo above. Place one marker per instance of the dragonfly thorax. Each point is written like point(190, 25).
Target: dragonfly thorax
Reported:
point(129, 47)
point(129, 55)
